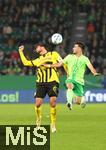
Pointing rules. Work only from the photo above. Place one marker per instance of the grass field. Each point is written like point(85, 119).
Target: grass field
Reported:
point(79, 129)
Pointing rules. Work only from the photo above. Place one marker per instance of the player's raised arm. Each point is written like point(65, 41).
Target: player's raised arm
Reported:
point(23, 58)
point(36, 62)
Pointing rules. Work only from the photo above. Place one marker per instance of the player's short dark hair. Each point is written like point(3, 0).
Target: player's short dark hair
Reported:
point(48, 46)
point(81, 45)
point(39, 44)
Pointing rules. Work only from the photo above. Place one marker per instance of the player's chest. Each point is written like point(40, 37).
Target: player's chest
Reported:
point(48, 57)
point(76, 63)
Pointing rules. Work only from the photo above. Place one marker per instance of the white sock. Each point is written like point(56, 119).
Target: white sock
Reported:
point(83, 100)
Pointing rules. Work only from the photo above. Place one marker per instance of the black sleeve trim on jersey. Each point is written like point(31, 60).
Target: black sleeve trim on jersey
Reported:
point(42, 76)
point(46, 74)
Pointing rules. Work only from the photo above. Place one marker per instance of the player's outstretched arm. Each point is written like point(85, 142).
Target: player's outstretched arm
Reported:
point(56, 65)
point(23, 58)
point(92, 69)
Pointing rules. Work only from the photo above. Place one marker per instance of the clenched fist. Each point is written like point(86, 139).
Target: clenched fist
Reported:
point(21, 48)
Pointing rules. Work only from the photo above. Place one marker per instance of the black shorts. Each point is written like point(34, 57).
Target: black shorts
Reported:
point(50, 88)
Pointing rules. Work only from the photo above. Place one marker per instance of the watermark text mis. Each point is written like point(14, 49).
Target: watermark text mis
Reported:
point(26, 137)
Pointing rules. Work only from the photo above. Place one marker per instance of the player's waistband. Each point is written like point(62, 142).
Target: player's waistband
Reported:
point(45, 83)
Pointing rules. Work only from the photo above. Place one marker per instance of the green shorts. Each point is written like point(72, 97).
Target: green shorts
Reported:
point(78, 88)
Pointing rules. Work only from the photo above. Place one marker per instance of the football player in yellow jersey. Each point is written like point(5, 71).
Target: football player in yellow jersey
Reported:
point(47, 80)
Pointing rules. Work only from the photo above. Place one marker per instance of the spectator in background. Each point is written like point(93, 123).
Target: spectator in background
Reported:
point(90, 28)
point(7, 29)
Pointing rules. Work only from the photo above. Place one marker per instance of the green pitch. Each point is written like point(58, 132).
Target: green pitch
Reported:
point(79, 129)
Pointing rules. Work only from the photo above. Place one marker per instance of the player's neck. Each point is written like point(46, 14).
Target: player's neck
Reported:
point(79, 54)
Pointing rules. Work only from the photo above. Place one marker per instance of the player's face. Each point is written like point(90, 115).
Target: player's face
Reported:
point(39, 49)
point(76, 49)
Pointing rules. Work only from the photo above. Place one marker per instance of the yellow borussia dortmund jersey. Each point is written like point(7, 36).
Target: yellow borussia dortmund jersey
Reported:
point(44, 74)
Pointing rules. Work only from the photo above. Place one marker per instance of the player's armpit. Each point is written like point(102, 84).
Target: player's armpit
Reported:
point(65, 68)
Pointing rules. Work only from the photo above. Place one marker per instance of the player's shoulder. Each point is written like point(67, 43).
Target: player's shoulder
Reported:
point(52, 52)
point(69, 56)
point(55, 53)
point(84, 57)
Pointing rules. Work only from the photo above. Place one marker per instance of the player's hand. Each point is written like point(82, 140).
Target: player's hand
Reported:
point(21, 48)
point(46, 65)
point(97, 74)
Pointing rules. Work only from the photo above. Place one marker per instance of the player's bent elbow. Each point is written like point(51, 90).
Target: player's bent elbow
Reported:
point(26, 64)
point(59, 64)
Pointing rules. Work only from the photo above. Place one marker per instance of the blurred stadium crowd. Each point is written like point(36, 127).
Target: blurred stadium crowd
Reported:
point(30, 21)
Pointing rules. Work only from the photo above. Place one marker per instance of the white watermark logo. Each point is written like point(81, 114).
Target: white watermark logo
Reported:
point(20, 136)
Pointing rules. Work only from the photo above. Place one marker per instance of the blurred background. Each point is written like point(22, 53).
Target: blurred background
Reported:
point(29, 21)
